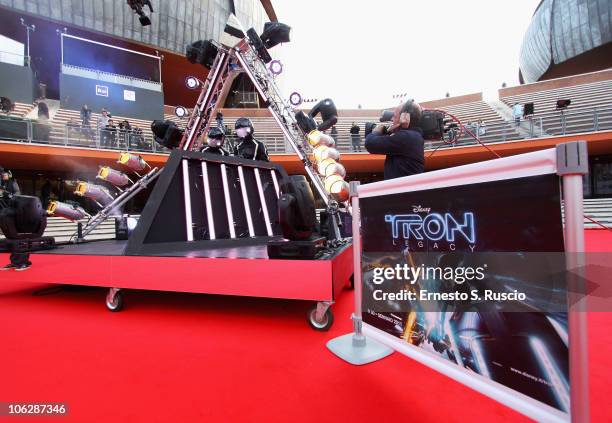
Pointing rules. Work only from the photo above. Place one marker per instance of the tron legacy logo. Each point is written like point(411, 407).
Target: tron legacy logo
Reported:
point(433, 227)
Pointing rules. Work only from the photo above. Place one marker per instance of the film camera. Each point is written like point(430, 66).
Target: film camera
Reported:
point(431, 121)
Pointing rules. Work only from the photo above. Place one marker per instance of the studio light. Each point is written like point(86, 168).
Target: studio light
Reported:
point(275, 33)
point(276, 67)
point(317, 138)
point(180, 111)
point(166, 133)
point(295, 99)
point(202, 52)
point(337, 187)
point(329, 167)
point(259, 47)
point(118, 179)
point(132, 161)
point(563, 104)
point(94, 192)
point(67, 211)
point(192, 82)
point(323, 152)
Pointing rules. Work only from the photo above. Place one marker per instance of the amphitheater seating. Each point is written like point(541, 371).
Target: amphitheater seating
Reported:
point(579, 116)
point(63, 132)
point(21, 109)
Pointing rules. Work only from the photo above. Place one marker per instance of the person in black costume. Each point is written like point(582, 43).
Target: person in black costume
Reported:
point(215, 141)
point(248, 147)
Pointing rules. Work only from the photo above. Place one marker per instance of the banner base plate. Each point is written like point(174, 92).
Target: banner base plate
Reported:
point(362, 351)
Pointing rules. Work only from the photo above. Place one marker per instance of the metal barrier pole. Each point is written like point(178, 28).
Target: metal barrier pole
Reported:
point(355, 347)
point(572, 165)
point(596, 119)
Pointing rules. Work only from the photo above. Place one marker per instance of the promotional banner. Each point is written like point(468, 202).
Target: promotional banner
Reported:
point(474, 274)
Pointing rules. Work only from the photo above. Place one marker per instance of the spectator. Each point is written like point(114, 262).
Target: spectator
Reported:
point(220, 123)
point(137, 139)
point(43, 111)
point(334, 134)
point(45, 193)
point(355, 140)
point(109, 134)
point(86, 115)
point(125, 131)
point(103, 121)
point(517, 113)
point(7, 183)
point(482, 128)
point(86, 122)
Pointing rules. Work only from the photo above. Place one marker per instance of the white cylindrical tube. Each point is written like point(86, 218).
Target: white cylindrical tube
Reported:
point(118, 179)
point(95, 192)
point(67, 211)
point(132, 161)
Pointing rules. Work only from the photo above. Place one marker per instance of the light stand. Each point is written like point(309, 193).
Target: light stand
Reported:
point(28, 29)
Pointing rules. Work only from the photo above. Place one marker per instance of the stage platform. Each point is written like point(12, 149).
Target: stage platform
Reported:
point(242, 271)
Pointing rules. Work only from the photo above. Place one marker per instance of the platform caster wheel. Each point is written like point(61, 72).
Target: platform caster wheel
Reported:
point(115, 303)
point(324, 324)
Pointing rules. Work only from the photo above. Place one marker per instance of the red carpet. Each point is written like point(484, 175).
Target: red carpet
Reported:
point(186, 358)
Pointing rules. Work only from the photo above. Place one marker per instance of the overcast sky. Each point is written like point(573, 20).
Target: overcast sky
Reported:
point(363, 52)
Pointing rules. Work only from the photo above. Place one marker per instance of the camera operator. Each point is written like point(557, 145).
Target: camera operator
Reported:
point(403, 142)
point(8, 185)
point(248, 147)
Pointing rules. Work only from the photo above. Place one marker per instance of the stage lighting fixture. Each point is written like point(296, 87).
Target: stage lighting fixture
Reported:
point(297, 209)
point(337, 187)
point(202, 52)
point(317, 138)
point(563, 104)
point(275, 33)
point(192, 82)
point(97, 193)
point(328, 111)
point(180, 111)
point(259, 47)
point(118, 179)
point(132, 161)
point(67, 211)
point(166, 133)
point(276, 67)
point(528, 109)
point(23, 218)
point(329, 167)
point(305, 122)
point(323, 152)
point(295, 99)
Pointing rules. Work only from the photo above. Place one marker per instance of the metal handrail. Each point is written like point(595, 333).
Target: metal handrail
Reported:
point(75, 134)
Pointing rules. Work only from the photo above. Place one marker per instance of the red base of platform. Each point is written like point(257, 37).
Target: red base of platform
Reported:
point(315, 280)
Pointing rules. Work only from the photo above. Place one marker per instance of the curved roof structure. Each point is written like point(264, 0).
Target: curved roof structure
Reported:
point(175, 23)
point(561, 30)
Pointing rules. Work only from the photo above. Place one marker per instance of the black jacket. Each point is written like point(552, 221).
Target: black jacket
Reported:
point(10, 186)
point(250, 148)
point(404, 150)
point(215, 150)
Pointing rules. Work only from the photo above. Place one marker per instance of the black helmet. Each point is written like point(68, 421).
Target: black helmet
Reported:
point(244, 122)
point(215, 132)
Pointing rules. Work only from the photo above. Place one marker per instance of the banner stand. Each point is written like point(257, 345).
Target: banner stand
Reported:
point(355, 347)
point(571, 164)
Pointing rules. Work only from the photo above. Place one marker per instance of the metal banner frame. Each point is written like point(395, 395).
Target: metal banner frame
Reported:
point(367, 343)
